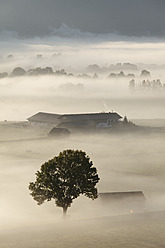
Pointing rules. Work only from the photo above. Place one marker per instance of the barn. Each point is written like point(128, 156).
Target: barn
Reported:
point(94, 120)
point(42, 118)
point(123, 202)
point(80, 122)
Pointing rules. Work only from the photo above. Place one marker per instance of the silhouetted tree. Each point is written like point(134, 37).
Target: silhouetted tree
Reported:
point(64, 178)
point(131, 75)
point(145, 73)
point(125, 120)
point(3, 74)
point(93, 68)
point(60, 72)
point(112, 75)
point(18, 71)
point(95, 76)
point(132, 84)
point(121, 74)
point(41, 71)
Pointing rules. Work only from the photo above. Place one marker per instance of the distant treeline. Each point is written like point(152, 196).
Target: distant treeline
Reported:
point(19, 71)
point(117, 67)
point(154, 84)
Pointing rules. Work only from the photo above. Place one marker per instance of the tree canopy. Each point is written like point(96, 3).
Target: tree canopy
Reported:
point(18, 71)
point(64, 178)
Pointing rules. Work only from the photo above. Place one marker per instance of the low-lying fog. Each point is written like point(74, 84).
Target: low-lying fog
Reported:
point(125, 162)
point(21, 97)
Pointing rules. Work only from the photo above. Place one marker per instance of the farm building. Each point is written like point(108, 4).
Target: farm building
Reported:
point(90, 121)
point(123, 202)
point(73, 125)
point(59, 132)
point(96, 120)
point(42, 118)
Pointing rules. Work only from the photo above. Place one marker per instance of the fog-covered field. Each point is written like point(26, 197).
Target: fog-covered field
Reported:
point(125, 162)
point(146, 230)
point(72, 57)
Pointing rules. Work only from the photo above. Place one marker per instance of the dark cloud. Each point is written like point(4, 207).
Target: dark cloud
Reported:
point(31, 18)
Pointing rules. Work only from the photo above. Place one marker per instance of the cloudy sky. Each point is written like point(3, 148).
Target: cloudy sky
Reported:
point(100, 28)
point(31, 18)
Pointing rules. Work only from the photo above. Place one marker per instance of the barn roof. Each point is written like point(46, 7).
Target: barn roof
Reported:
point(92, 116)
point(122, 195)
point(45, 118)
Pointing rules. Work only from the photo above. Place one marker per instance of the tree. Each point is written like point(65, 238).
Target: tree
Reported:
point(132, 84)
point(18, 71)
point(145, 73)
point(3, 74)
point(121, 74)
point(64, 178)
point(125, 121)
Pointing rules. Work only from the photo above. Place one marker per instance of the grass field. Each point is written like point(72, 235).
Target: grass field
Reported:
point(125, 162)
point(134, 231)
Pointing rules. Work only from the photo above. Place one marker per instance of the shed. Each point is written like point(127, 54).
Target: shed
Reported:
point(123, 202)
point(59, 132)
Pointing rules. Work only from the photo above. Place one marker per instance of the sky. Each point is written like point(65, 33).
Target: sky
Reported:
point(73, 27)
point(38, 18)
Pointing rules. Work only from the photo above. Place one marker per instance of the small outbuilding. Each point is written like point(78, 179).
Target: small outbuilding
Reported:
point(123, 202)
point(59, 132)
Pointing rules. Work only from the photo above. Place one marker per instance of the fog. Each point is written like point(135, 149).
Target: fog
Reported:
point(131, 161)
point(125, 162)
point(50, 94)
point(78, 52)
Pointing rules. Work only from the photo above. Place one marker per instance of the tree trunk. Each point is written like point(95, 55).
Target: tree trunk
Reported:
point(64, 210)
